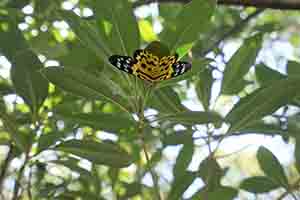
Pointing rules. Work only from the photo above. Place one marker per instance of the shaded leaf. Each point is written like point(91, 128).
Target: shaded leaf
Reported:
point(293, 68)
point(103, 121)
point(194, 117)
point(221, 192)
point(104, 153)
point(86, 85)
point(262, 102)
point(180, 184)
point(259, 184)
point(193, 19)
point(266, 75)
point(179, 137)
point(271, 166)
point(203, 87)
point(239, 64)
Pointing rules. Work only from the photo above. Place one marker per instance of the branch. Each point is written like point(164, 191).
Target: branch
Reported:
point(274, 4)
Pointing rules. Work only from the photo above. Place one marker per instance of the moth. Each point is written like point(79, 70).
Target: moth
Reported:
point(153, 64)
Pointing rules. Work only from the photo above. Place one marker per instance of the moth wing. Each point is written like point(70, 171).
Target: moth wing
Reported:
point(123, 63)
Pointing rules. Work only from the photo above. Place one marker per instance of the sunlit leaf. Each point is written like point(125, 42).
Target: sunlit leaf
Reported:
point(103, 153)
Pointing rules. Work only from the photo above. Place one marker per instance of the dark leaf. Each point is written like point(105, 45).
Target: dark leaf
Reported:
point(259, 184)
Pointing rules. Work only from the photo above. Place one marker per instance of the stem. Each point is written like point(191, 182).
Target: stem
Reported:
point(140, 130)
point(19, 177)
point(5, 166)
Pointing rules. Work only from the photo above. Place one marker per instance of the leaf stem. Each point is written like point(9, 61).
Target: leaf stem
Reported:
point(141, 126)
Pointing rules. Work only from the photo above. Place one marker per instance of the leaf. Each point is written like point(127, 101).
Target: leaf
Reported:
point(132, 190)
point(123, 34)
point(179, 137)
point(86, 85)
point(166, 100)
point(47, 140)
point(297, 154)
point(87, 34)
point(183, 159)
point(103, 121)
point(239, 65)
point(221, 192)
point(192, 20)
point(259, 184)
point(194, 117)
point(266, 75)
point(293, 68)
point(104, 153)
point(271, 166)
point(25, 75)
point(146, 31)
point(180, 185)
point(211, 173)
point(203, 87)
point(262, 102)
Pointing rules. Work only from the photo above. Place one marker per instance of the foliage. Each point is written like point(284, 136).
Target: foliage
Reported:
point(80, 129)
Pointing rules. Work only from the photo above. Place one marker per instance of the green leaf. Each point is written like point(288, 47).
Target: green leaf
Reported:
point(297, 154)
point(25, 75)
point(183, 159)
point(103, 121)
point(211, 173)
point(132, 190)
point(166, 100)
point(123, 34)
point(180, 185)
point(72, 164)
point(266, 75)
point(193, 19)
point(259, 184)
point(271, 166)
point(87, 34)
point(86, 85)
point(293, 68)
point(262, 102)
point(104, 153)
point(239, 65)
point(203, 87)
point(146, 31)
point(47, 140)
point(194, 117)
point(179, 137)
point(221, 192)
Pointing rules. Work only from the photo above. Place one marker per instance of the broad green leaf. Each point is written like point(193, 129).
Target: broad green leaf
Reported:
point(183, 159)
point(179, 137)
point(221, 192)
point(203, 87)
point(266, 75)
point(146, 31)
point(259, 184)
point(9, 125)
point(166, 100)
point(25, 75)
point(132, 190)
point(123, 33)
point(193, 19)
point(103, 121)
point(271, 166)
point(86, 85)
point(239, 64)
point(297, 154)
point(104, 153)
point(211, 173)
point(194, 117)
point(180, 185)
point(293, 68)
point(87, 34)
point(262, 102)
point(260, 127)
point(47, 140)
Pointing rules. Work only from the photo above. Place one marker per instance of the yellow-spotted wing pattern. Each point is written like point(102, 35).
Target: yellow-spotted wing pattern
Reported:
point(150, 67)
